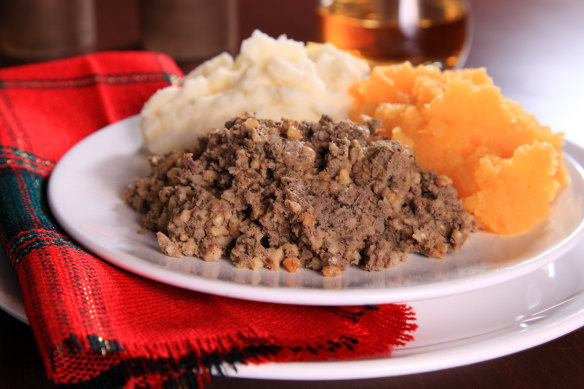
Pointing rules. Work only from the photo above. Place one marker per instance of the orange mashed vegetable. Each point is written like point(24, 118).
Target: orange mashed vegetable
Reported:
point(506, 166)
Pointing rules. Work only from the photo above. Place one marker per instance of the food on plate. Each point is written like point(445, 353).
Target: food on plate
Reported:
point(297, 194)
point(506, 166)
point(274, 78)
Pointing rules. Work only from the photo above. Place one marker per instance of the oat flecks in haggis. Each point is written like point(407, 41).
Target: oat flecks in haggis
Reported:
point(288, 195)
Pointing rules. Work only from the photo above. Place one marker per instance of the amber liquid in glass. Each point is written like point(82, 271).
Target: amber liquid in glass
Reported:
point(434, 31)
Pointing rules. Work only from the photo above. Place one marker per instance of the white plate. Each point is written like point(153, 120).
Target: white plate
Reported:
point(453, 331)
point(85, 195)
point(10, 296)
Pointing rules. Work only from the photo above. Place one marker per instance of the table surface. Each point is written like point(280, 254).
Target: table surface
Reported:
point(534, 51)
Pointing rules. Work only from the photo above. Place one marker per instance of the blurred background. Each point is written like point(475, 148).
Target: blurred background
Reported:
point(533, 49)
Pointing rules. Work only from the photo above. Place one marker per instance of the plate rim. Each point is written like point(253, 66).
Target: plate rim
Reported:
point(284, 294)
point(495, 344)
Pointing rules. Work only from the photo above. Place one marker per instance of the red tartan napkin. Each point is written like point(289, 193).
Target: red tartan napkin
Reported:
point(100, 326)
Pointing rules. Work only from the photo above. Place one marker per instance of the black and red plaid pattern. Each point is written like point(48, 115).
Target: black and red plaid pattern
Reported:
point(100, 326)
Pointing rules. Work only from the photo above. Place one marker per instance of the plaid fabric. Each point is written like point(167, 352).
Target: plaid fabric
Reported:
point(100, 326)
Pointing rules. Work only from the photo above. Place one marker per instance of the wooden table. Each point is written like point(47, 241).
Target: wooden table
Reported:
point(534, 50)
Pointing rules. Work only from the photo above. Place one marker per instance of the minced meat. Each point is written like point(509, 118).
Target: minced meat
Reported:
point(299, 195)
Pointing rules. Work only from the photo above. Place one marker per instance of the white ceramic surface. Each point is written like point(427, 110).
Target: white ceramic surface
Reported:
point(453, 331)
point(85, 194)
point(10, 296)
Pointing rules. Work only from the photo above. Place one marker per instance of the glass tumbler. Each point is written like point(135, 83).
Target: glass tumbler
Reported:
point(391, 31)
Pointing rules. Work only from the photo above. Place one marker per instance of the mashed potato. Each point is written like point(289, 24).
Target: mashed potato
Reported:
point(274, 78)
